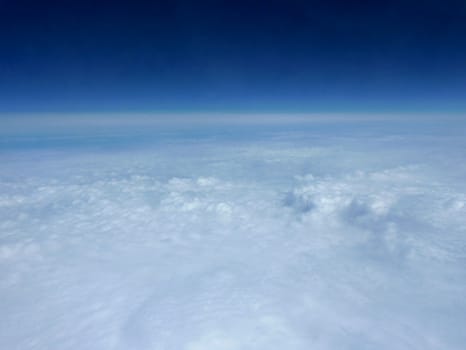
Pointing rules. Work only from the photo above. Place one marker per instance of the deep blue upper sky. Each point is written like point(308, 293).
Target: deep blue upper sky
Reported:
point(232, 55)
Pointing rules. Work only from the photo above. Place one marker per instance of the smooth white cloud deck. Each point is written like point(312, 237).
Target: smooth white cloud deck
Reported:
point(287, 240)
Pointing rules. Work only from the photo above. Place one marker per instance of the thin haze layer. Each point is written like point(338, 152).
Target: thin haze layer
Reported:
point(285, 237)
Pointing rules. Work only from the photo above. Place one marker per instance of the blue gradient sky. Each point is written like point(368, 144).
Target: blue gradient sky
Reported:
point(317, 56)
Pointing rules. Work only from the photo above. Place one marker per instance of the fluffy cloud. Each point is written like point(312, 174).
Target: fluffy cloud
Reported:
point(290, 242)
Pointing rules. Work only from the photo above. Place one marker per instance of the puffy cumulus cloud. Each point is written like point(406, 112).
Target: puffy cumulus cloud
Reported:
point(290, 243)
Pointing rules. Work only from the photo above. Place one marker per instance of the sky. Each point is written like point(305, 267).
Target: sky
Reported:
point(287, 56)
point(231, 175)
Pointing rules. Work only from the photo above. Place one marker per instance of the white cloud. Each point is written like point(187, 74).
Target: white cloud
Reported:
point(287, 243)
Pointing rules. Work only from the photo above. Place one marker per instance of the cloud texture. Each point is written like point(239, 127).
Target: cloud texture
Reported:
point(294, 241)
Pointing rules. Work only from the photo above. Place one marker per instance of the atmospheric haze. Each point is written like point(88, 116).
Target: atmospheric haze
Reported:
point(327, 234)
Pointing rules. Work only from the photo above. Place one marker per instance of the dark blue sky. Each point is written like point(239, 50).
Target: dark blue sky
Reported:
point(232, 55)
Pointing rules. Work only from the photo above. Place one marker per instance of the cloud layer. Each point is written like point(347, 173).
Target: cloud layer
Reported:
point(288, 242)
